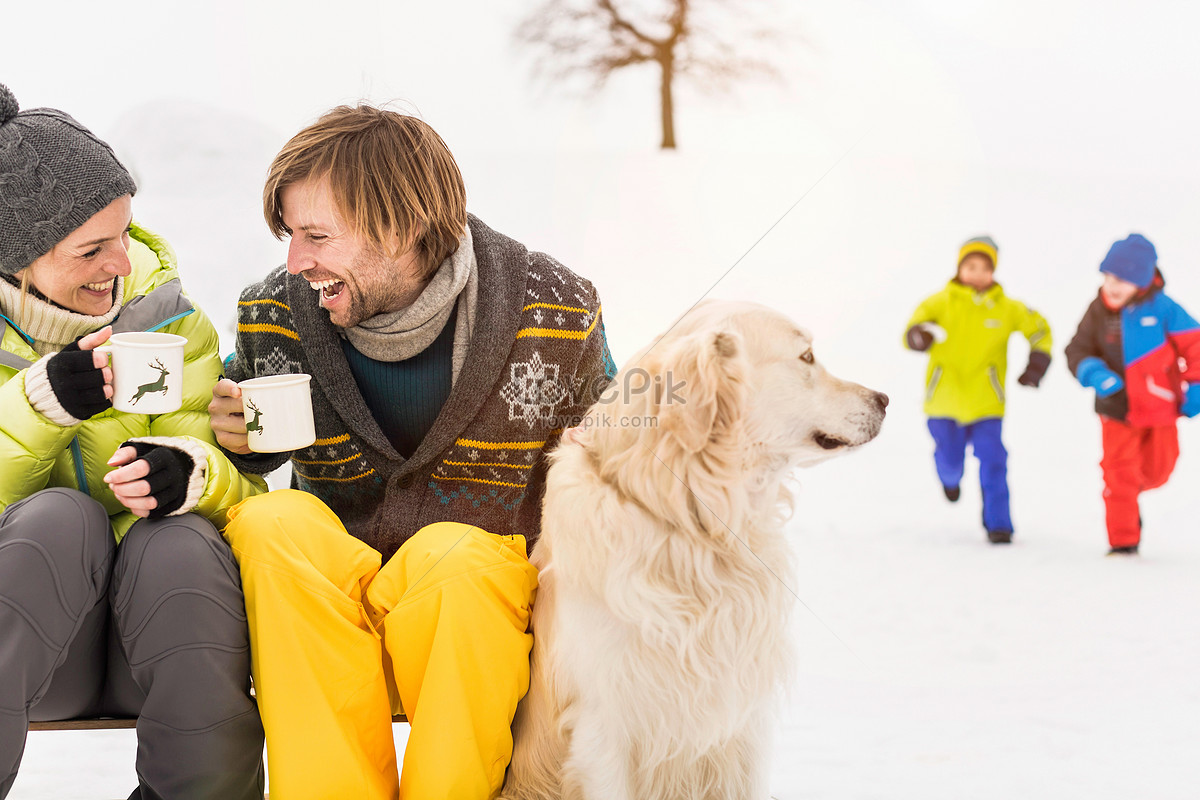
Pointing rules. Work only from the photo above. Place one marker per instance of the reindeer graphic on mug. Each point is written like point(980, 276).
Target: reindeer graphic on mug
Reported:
point(254, 426)
point(159, 385)
point(277, 410)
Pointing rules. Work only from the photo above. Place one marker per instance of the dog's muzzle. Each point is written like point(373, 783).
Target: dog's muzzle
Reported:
point(828, 442)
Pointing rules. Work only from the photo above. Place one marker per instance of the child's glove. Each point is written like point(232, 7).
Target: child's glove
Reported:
point(1039, 362)
point(921, 336)
point(1095, 374)
point(1191, 401)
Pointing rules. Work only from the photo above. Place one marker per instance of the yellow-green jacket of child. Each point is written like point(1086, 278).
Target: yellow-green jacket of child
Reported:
point(966, 375)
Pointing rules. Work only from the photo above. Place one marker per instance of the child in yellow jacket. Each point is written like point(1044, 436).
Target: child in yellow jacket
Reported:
point(965, 328)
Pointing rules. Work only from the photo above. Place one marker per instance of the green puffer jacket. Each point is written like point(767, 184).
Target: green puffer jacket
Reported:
point(37, 454)
point(966, 374)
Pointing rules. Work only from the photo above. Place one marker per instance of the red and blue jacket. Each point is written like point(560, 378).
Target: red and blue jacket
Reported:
point(1152, 343)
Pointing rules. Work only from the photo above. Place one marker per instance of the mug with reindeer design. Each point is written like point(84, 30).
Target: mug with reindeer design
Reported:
point(147, 371)
point(279, 415)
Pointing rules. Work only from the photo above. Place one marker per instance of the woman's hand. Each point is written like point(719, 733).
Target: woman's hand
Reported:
point(94, 340)
point(81, 378)
point(150, 480)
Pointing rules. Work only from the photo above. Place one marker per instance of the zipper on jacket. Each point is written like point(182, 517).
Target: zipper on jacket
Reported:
point(994, 377)
point(933, 382)
point(28, 339)
point(169, 320)
point(80, 475)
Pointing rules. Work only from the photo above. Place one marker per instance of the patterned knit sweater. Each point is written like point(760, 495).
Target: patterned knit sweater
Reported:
point(537, 359)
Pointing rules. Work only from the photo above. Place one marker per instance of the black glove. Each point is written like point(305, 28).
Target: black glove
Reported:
point(1039, 362)
point(168, 476)
point(77, 383)
point(918, 338)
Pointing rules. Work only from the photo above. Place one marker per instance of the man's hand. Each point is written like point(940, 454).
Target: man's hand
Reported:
point(226, 419)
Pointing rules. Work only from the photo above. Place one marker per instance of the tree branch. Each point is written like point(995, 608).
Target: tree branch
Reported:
point(617, 22)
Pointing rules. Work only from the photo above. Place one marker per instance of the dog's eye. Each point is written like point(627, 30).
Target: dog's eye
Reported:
point(807, 357)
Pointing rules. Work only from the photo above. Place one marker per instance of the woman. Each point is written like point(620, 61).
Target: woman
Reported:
point(117, 594)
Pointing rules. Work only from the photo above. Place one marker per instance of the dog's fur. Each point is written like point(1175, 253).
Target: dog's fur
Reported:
point(660, 626)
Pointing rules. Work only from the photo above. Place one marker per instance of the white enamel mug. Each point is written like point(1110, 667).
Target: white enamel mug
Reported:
point(147, 371)
point(279, 416)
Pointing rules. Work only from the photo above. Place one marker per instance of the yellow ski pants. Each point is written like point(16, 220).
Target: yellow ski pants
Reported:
point(440, 633)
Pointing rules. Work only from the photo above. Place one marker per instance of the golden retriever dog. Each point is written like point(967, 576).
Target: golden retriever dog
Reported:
point(661, 622)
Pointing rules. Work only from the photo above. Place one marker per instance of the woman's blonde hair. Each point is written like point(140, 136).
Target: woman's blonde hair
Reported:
point(23, 285)
point(390, 175)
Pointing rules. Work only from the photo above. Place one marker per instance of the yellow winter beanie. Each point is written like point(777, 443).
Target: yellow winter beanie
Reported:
point(980, 244)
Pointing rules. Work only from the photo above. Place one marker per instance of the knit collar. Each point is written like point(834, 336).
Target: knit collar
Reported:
point(400, 335)
point(51, 326)
point(502, 272)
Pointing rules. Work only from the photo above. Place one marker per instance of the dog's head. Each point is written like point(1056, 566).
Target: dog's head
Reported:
point(797, 410)
point(734, 384)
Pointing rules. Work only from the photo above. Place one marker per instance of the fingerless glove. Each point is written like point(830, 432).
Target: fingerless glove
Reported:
point(66, 387)
point(169, 476)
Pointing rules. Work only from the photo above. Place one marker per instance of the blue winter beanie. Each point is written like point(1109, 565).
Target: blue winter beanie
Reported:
point(1132, 259)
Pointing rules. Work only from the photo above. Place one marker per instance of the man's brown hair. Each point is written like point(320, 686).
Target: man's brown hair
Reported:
point(389, 174)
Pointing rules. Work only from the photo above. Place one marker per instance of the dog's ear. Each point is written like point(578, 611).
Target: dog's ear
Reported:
point(703, 389)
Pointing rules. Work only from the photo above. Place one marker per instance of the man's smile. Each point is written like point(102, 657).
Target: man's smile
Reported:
point(329, 289)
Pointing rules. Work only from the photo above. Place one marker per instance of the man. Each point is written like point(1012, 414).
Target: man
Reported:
point(446, 360)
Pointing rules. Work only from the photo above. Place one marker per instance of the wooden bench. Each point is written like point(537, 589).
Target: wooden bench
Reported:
point(110, 723)
point(98, 724)
point(115, 723)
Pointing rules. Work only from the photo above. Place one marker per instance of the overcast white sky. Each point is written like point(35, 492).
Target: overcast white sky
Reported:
point(1048, 83)
point(1033, 120)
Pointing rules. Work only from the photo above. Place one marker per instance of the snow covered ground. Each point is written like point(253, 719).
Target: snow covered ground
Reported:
point(932, 665)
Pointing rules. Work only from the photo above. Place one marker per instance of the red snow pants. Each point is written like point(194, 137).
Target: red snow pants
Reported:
point(1135, 460)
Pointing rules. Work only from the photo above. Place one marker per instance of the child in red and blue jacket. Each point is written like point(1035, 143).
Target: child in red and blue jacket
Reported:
point(1140, 352)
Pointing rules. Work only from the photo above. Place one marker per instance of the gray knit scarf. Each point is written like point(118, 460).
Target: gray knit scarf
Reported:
point(399, 335)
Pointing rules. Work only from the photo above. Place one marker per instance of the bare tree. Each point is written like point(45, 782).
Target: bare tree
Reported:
point(688, 39)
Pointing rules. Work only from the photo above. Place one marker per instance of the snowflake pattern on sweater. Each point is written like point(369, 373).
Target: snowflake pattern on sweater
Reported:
point(537, 359)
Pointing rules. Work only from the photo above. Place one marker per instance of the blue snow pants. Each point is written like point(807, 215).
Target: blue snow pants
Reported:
point(950, 440)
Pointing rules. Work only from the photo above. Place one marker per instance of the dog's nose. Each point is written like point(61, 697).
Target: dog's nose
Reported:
point(881, 400)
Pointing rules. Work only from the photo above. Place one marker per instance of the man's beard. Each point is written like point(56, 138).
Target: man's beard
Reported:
point(371, 297)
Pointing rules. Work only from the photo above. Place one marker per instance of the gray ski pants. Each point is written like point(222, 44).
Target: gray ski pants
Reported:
point(154, 627)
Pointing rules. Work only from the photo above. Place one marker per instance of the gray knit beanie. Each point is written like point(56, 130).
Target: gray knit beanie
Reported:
point(54, 176)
